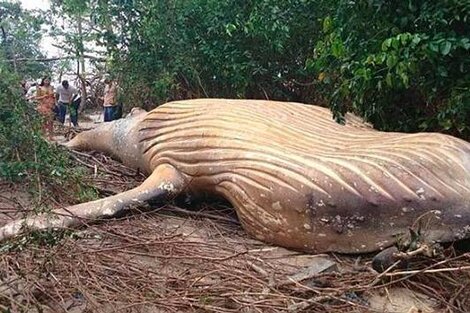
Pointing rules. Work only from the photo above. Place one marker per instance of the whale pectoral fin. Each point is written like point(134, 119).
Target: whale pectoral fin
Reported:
point(164, 182)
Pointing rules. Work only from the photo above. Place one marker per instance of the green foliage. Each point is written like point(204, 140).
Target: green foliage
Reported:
point(164, 50)
point(44, 238)
point(86, 193)
point(24, 152)
point(403, 65)
point(20, 34)
point(70, 13)
point(25, 156)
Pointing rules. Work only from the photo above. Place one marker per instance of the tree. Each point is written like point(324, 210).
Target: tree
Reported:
point(20, 35)
point(403, 65)
point(25, 156)
point(77, 35)
point(165, 50)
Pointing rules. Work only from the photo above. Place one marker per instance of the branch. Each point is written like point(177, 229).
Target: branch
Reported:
point(54, 59)
point(69, 50)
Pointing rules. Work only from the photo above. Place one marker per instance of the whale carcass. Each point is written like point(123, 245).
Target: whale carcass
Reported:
point(295, 177)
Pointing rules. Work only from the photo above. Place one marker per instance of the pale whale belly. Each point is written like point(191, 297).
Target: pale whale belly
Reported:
point(298, 179)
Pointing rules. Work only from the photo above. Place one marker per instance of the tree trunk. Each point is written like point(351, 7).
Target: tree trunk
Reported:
point(81, 58)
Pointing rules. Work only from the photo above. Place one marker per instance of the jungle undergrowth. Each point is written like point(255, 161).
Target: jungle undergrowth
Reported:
point(28, 162)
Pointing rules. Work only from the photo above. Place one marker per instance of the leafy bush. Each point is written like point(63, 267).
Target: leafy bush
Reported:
point(208, 48)
point(25, 156)
point(403, 65)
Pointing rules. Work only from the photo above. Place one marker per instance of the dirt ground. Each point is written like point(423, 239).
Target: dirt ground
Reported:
point(195, 257)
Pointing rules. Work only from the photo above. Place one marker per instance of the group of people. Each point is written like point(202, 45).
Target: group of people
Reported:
point(54, 104)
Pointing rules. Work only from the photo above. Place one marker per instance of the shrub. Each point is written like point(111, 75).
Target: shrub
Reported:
point(403, 65)
point(25, 157)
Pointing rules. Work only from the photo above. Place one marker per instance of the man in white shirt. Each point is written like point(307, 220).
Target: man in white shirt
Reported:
point(65, 94)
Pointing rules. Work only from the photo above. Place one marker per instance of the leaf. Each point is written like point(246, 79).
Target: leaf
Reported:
point(416, 39)
point(465, 42)
point(406, 53)
point(404, 38)
point(442, 71)
point(309, 64)
point(391, 61)
point(337, 48)
point(327, 24)
point(404, 79)
point(229, 28)
point(446, 124)
point(386, 44)
point(424, 125)
point(444, 47)
point(388, 79)
point(381, 58)
point(434, 46)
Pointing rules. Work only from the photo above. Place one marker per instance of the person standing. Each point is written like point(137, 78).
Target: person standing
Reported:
point(112, 110)
point(65, 94)
point(46, 104)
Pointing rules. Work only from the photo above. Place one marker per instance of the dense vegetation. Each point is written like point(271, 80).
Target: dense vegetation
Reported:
point(402, 65)
point(25, 157)
point(20, 33)
point(24, 153)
